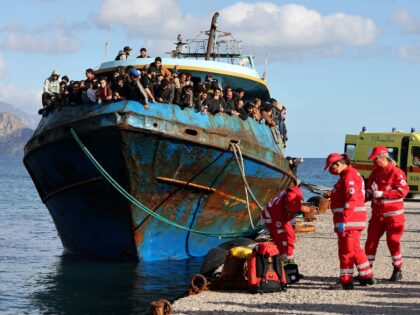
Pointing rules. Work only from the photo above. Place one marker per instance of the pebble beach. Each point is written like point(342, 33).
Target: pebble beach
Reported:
point(316, 254)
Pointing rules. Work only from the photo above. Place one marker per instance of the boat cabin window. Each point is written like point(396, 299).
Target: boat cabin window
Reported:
point(349, 149)
point(415, 155)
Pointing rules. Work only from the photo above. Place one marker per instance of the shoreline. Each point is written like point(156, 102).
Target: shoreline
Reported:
point(316, 254)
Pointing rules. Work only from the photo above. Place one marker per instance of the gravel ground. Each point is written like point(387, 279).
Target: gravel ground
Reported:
point(316, 254)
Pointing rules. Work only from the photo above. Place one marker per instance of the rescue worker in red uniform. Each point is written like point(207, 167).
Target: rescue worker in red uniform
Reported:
point(277, 216)
point(349, 212)
point(387, 186)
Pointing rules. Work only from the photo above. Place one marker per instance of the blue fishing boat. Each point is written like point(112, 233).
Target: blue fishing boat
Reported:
point(123, 182)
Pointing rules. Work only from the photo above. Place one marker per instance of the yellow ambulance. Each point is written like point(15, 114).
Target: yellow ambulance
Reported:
point(403, 147)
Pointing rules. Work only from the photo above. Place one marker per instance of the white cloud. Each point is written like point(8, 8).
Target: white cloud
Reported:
point(60, 43)
point(409, 53)
point(295, 26)
point(408, 23)
point(52, 38)
point(153, 18)
point(2, 67)
point(28, 100)
point(289, 31)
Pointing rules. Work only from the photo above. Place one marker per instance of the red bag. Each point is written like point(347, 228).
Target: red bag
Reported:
point(265, 269)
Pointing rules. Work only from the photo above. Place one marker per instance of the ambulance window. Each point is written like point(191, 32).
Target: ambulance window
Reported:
point(415, 153)
point(393, 153)
point(349, 150)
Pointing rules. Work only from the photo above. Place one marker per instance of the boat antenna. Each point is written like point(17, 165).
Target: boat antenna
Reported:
point(265, 65)
point(210, 42)
point(107, 42)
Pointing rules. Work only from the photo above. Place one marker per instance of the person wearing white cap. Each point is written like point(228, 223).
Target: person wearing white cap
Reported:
point(387, 186)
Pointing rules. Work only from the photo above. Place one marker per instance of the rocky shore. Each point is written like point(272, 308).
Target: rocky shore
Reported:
point(316, 254)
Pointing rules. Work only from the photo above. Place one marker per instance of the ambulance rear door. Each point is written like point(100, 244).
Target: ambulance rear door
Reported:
point(413, 166)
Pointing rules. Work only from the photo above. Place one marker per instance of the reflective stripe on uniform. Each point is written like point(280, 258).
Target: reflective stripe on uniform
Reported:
point(396, 257)
point(353, 224)
point(364, 273)
point(360, 209)
point(393, 213)
point(393, 200)
point(268, 221)
point(346, 271)
point(357, 209)
point(284, 243)
point(279, 231)
point(371, 257)
point(366, 264)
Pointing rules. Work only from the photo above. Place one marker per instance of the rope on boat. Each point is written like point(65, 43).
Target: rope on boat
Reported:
point(240, 162)
point(144, 208)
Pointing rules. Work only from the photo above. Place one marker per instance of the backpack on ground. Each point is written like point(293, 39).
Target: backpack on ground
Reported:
point(265, 269)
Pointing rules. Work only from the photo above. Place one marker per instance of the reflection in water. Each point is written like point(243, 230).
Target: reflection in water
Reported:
point(80, 286)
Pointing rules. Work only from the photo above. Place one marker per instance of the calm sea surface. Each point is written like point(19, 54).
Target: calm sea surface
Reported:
point(35, 277)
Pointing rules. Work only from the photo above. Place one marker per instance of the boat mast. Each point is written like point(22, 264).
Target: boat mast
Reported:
point(213, 28)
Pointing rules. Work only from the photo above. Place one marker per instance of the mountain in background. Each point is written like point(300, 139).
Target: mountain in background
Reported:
point(14, 134)
point(31, 121)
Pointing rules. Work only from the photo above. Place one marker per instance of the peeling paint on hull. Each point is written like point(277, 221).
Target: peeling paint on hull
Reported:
point(152, 155)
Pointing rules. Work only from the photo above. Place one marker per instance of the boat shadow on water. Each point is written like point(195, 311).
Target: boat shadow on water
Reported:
point(78, 285)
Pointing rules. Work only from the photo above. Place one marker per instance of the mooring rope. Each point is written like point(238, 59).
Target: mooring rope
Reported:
point(138, 204)
point(239, 160)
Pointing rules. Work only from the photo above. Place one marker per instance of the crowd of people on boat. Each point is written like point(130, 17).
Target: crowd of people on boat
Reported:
point(156, 83)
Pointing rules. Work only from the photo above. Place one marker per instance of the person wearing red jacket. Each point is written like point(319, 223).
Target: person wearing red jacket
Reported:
point(277, 216)
point(387, 186)
point(349, 213)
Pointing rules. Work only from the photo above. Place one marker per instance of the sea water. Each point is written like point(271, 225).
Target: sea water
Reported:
point(36, 278)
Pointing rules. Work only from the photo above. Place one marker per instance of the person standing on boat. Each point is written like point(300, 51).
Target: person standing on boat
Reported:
point(136, 90)
point(349, 213)
point(387, 186)
point(123, 54)
point(216, 104)
point(51, 92)
point(277, 216)
point(266, 114)
point(147, 82)
point(143, 53)
point(160, 69)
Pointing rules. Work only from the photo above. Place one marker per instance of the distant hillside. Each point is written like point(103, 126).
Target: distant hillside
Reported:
point(31, 121)
point(13, 134)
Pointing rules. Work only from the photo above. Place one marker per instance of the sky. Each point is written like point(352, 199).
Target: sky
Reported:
point(335, 65)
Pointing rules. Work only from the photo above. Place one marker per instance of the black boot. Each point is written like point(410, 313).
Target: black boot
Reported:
point(367, 281)
point(396, 275)
point(342, 286)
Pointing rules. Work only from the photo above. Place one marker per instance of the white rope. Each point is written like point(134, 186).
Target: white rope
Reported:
point(240, 162)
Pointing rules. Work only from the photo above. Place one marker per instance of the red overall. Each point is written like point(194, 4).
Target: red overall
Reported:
point(387, 211)
point(348, 206)
point(277, 216)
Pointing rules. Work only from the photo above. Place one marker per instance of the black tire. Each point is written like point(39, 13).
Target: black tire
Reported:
point(244, 242)
point(213, 260)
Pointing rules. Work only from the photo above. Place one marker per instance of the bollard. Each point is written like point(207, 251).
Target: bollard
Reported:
point(161, 307)
point(198, 284)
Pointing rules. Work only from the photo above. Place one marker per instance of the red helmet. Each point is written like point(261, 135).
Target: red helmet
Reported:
point(333, 157)
point(378, 150)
